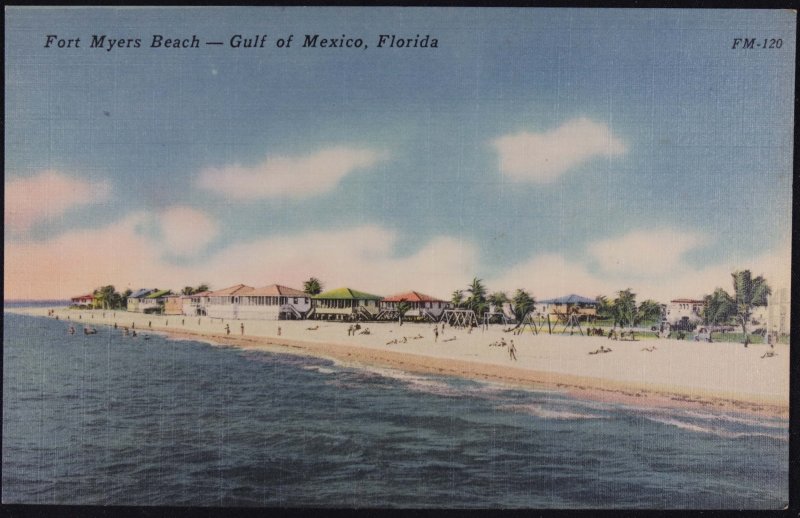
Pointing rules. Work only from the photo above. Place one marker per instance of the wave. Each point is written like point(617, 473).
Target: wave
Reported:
point(317, 368)
point(727, 434)
point(417, 382)
point(545, 413)
point(751, 421)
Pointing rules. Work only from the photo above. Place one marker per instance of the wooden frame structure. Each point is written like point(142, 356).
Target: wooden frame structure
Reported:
point(459, 317)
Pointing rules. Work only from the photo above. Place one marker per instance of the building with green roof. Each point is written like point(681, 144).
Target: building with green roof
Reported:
point(345, 304)
point(154, 302)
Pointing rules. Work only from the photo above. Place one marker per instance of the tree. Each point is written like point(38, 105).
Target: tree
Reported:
point(605, 309)
point(748, 292)
point(187, 290)
point(521, 304)
point(201, 288)
point(718, 307)
point(497, 300)
point(477, 297)
point(104, 297)
point(312, 286)
point(648, 311)
point(457, 298)
point(624, 308)
point(403, 307)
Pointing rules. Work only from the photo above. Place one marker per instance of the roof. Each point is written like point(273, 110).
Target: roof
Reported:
point(687, 301)
point(239, 289)
point(412, 296)
point(198, 294)
point(569, 299)
point(140, 293)
point(81, 297)
point(159, 294)
point(276, 290)
point(347, 294)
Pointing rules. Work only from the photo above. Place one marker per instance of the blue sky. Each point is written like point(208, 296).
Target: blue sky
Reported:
point(642, 151)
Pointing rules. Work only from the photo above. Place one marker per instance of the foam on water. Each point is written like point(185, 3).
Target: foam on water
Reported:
point(541, 411)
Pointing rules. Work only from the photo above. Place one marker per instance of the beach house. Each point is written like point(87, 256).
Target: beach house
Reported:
point(420, 306)
point(345, 304)
point(194, 305)
point(173, 305)
point(684, 313)
point(225, 303)
point(83, 300)
point(154, 302)
point(560, 308)
point(274, 302)
point(134, 299)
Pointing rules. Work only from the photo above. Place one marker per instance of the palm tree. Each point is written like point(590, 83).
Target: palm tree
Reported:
point(123, 300)
point(605, 309)
point(624, 308)
point(187, 290)
point(748, 292)
point(403, 307)
point(521, 304)
point(497, 299)
point(457, 298)
point(312, 286)
point(719, 307)
point(201, 288)
point(649, 311)
point(477, 297)
point(104, 297)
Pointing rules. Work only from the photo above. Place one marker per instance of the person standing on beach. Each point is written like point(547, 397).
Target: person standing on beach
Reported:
point(242, 328)
point(512, 351)
point(227, 329)
point(279, 330)
point(435, 334)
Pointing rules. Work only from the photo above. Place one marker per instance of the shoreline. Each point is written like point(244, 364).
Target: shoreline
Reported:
point(490, 366)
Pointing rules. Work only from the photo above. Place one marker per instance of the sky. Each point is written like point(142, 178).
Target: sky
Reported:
point(555, 150)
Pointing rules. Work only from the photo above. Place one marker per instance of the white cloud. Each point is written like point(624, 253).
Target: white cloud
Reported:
point(361, 257)
point(553, 275)
point(186, 231)
point(294, 177)
point(644, 252)
point(46, 197)
point(544, 157)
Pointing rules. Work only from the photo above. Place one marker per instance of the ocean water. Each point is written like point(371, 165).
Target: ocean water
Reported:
point(111, 420)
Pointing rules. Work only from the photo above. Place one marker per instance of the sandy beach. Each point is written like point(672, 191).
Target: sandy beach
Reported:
point(648, 373)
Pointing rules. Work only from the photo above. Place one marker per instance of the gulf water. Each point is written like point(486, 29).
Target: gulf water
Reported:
point(106, 419)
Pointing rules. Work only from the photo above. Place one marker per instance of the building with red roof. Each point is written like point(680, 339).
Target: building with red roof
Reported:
point(421, 306)
point(83, 300)
point(274, 302)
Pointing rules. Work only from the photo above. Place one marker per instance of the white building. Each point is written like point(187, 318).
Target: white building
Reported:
point(225, 303)
point(274, 302)
point(684, 312)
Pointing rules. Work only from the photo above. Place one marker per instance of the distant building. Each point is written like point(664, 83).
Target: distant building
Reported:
point(173, 305)
point(83, 300)
point(778, 314)
point(225, 303)
point(422, 306)
point(684, 313)
point(135, 298)
point(561, 307)
point(195, 304)
point(345, 304)
point(274, 302)
point(154, 302)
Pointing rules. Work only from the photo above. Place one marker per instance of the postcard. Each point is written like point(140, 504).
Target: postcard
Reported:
point(397, 257)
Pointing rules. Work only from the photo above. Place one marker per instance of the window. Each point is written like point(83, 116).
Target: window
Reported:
point(295, 300)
